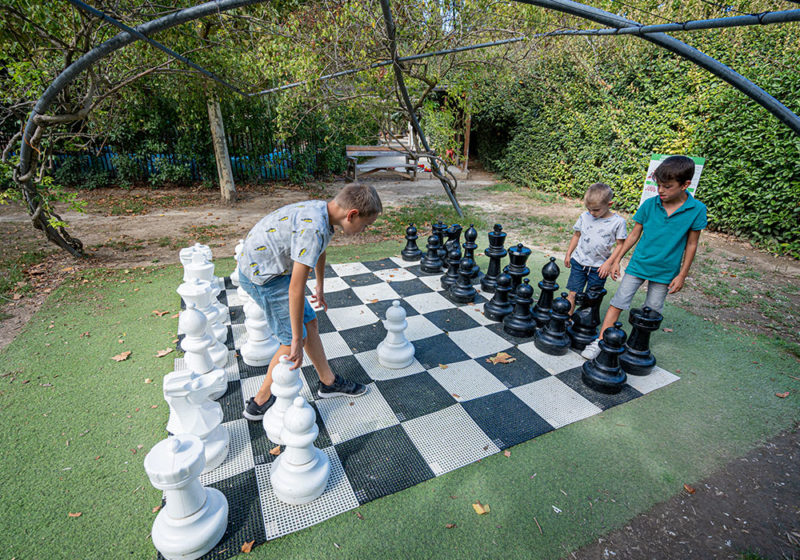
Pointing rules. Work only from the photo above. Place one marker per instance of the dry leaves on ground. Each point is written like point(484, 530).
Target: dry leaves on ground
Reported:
point(275, 450)
point(480, 508)
point(501, 358)
point(162, 353)
point(689, 489)
point(782, 395)
point(75, 514)
point(248, 546)
point(159, 313)
point(121, 357)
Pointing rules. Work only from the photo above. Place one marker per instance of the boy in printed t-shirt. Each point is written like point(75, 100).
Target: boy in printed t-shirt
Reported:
point(589, 255)
point(277, 256)
point(669, 226)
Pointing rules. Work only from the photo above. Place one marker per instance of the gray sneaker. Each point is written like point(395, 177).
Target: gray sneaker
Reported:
point(592, 350)
point(341, 387)
point(255, 412)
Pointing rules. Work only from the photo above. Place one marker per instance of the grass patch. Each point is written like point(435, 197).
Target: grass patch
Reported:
point(122, 245)
point(422, 213)
point(79, 422)
point(204, 234)
point(126, 207)
point(535, 194)
point(12, 277)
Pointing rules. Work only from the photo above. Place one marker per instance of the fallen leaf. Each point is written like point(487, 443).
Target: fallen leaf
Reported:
point(162, 353)
point(665, 329)
point(121, 357)
point(76, 514)
point(334, 544)
point(450, 526)
point(173, 316)
point(480, 508)
point(275, 450)
point(359, 515)
point(86, 334)
point(507, 453)
point(443, 366)
point(456, 396)
point(148, 380)
point(154, 406)
point(782, 395)
point(16, 297)
point(155, 509)
point(248, 546)
point(689, 489)
point(501, 358)
point(159, 313)
point(373, 301)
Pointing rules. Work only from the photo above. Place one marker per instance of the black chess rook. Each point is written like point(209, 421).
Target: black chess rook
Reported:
point(411, 252)
point(547, 287)
point(553, 338)
point(603, 374)
point(495, 251)
point(638, 359)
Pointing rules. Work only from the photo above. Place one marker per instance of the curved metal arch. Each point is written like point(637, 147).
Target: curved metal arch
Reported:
point(783, 113)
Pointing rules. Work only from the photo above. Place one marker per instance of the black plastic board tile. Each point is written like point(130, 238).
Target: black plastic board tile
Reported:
point(415, 395)
point(521, 371)
point(506, 419)
point(439, 349)
point(572, 377)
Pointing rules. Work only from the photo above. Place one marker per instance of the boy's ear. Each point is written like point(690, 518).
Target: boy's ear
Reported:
point(685, 185)
point(352, 214)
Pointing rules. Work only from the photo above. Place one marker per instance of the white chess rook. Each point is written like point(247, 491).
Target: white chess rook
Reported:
point(300, 474)
point(195, 518)
point(193, 412)
point(196, 346)
point(261, 344)
point(286, 386)
point(199, 292)
point(237, 251)
point(395, 352)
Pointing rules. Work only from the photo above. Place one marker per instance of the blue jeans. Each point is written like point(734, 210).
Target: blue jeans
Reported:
point(581, 277)
point(273, 298)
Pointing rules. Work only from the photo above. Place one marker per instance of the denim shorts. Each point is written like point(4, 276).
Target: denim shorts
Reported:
point(656, 293)
point(273, 298)
point(581, 277)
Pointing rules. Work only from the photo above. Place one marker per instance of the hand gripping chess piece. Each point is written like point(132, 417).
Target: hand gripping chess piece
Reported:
point(196, 346)
point(191, 411)
point(603, 373)
point(300, 474)
point(286, 386)
point(194, 518)
point(638, 359)
point(395, 352)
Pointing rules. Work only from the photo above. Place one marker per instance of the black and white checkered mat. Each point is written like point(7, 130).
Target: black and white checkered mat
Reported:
point(450, 408)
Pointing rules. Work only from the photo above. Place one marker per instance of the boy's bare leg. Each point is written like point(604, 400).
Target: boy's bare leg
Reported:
point(571, 300)
point(612, 315)
point(316, 353)
point(264, 392)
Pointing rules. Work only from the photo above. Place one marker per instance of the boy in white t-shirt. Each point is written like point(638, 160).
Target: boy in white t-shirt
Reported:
point(592, 250)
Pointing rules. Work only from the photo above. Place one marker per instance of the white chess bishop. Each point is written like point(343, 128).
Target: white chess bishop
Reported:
point(196, 346)
point(300, 474)
point(261, 343)
point(194, 518)
point(286, 386)
point(395, 352)
point(191, 411)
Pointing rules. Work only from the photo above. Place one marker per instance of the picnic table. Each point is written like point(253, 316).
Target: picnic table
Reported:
point(380, 158)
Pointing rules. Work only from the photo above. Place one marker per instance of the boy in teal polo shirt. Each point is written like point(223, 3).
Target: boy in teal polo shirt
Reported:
point(669, 226)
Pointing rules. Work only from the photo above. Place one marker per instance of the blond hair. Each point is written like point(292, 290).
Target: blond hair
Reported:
point(364, 198)
point(598, 193)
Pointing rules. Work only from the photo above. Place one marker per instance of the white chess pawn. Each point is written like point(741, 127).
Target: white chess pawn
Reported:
point(395, 352)
point(261, 344)
point(286, 386)
point(193, 412)
point(196, 346)
point(236, 252)
point(300, 474)
point(194, 518)
point(199, 292)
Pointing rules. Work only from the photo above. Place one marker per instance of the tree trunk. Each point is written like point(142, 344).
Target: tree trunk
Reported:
point(227, 187)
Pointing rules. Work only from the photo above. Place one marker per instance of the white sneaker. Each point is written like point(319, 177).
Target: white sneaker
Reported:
point(592, 350)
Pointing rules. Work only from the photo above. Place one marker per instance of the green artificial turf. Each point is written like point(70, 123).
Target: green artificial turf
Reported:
point(73, 421)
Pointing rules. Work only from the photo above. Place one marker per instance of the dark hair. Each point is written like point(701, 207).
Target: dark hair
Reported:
point(675, 168)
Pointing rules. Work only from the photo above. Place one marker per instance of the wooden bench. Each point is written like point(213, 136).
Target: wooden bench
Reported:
point(373, 163)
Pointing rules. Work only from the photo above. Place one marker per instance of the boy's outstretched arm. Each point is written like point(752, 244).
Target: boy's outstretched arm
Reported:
point(632, 239)
point(606, 268)
point(572, 244)
point(688, 256)
point(318, 297)
point(297, 300)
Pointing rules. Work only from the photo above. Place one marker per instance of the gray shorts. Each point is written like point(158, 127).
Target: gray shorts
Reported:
point(656, 293)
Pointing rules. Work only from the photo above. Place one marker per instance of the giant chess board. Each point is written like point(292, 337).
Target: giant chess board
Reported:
point(450, 408)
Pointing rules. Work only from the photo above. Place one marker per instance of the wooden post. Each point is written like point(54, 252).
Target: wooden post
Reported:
point(227, 187)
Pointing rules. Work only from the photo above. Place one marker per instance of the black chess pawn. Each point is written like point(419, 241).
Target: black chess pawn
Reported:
point(495, 251)
point(520, 323)
point(439, 230)
point(586, 317)
point(469, 251)
point(453, 236)
point(603, 373)
point(516, 268)
point(638, 359)
point(431, 262)
point(547, 287)
point(463, 291)
point(450, 278)
point(499, 306)
point(553, 338)
point(411, 251)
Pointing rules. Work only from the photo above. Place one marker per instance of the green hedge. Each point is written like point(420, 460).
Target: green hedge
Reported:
point(564, 123)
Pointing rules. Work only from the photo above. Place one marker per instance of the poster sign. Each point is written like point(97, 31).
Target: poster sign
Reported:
point(651, 188)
